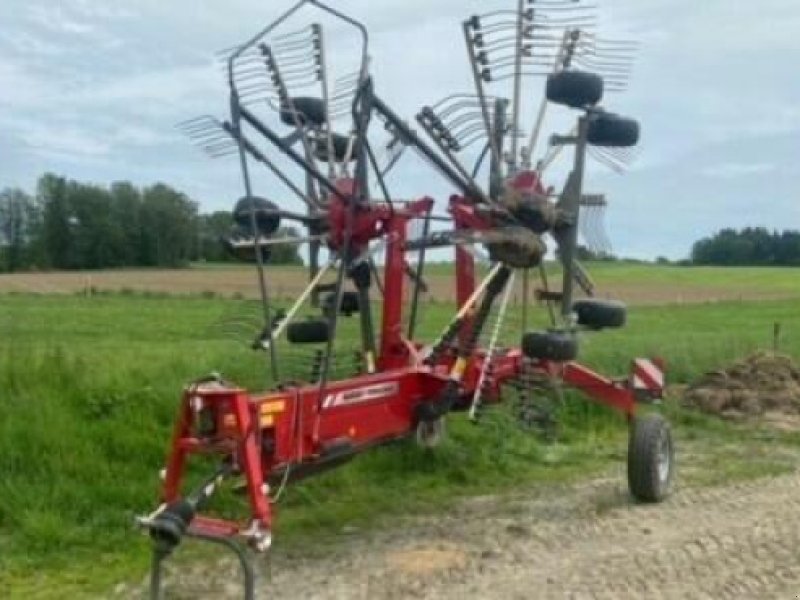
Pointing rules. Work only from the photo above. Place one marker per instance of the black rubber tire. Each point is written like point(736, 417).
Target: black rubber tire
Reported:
point(550, 345)
point(310, 111)
point(314, 331)
point(348, 306)
point(267, 221)
point(576, 89)
point(613, 131)
point(340, 145)
point(649, 479)
point(600, 314)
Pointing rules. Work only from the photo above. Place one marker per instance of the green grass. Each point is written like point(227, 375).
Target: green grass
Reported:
point(89, 386)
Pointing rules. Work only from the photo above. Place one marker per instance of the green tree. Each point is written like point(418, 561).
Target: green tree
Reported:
point(56, 240)
point(17, 223)
point(168, 227)
point(286, 254)
point(126, 211)
point(212, 228)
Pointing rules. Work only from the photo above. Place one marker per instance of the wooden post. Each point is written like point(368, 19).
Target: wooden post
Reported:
point(776, 336)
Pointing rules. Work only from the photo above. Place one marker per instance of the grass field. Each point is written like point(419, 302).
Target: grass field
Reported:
point(88, 387)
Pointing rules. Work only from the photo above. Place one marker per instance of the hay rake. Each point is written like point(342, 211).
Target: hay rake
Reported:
point(399, 385)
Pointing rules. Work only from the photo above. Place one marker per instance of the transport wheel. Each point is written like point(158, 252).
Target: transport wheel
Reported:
point(309, 111)
point(313, 331)
point(576, 89)
point(430, 434)
point(612, 131)
point(651, 458)
point(600, 314)
point(550, 345)
point(267, 219)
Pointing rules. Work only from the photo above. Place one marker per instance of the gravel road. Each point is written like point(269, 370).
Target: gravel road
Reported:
point(586, 541)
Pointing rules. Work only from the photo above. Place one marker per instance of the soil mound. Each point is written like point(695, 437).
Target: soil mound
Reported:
point(762, 384)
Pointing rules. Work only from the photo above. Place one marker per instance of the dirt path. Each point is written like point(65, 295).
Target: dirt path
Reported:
point(739, 541)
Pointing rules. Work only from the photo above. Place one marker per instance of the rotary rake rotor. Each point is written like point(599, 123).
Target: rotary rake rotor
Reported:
point(327, 140)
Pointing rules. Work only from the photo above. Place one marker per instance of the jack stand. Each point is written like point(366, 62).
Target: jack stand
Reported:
point(160, 553)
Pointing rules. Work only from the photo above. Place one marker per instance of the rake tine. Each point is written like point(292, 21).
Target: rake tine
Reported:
point(290, 34)
point(607, 160)
point(231, 152)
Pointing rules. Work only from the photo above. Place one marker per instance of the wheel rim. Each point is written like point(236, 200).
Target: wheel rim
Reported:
point(664, 458)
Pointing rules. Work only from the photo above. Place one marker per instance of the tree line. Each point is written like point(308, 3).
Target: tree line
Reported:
point(751, 246)
point(67, 224)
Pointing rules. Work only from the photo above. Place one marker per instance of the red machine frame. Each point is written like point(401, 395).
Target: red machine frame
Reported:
point(298, 429)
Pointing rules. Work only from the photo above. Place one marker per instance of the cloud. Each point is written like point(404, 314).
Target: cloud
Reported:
point(57, 19)
point(732, 170)
point(92, 88)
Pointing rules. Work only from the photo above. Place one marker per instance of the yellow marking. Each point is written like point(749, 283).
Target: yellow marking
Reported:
point(459, 367)
point(267, 421)
point(370, 362)
point(276, 406)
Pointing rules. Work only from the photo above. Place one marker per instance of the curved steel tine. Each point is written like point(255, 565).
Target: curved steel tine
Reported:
point(465, 120)
point(201, 134)
point(522, 74)
point(466, 143)
point(467, 131)
point(341, 92)
point(625, 155)
point(610, 66)
point(606, 160)
point(539, 62)
point(303, 54)
point(294, 59)
point(253, 69)
point(622, 54)
point(299, 83)
point(244, 59)
point(497, 43)
point(495, 28)
point(219, 146)
point(587, 44)
point(233, 151)
point(201, 119)
point(293, 44)
point(343, 95)
point(205, 135)
point(566, 7)
point(609, 72)
point(620, 43)
point(356, 75)
point(464, 99)
point(455, 111)
point(289, 34)
point(298, 71)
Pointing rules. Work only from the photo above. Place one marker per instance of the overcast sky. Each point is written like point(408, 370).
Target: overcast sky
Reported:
point(92, 89)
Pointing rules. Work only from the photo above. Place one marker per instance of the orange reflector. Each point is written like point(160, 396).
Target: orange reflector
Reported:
point(276, 406)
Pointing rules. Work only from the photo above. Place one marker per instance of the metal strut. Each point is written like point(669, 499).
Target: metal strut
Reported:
point(248, 572)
